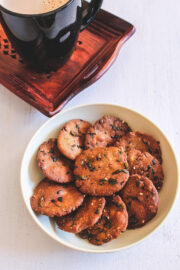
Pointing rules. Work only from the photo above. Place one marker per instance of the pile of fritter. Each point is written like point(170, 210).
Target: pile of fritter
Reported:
point(100, 179)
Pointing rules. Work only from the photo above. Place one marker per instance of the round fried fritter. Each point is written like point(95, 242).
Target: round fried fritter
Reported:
point(84, 217)
point(53, 165)
point(113, 222)
point(147, 165)
point(71, 138)
point(142, 142)
point(53, 199)
point(141, 199)
point(105, 132)
point(101, 171)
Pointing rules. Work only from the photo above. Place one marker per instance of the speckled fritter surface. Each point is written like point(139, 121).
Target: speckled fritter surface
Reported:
point(113, 222)
point(53, 165)
point(105, 132)
point(53, 199)
point(84, 217)
point(101, 171)
point(142, 142)
point(147, 165)
point(71, 138)
point(141, 199)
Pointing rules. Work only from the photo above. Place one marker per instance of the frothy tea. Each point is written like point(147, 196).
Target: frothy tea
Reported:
point(33, 6)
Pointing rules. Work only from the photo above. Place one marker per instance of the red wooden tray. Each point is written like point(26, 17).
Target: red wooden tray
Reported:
point(96, 49)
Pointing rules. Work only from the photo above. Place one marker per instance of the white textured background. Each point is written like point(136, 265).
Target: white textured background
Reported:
point(146, 78)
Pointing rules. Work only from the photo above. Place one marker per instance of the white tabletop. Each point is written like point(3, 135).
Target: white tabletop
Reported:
point(146, 78)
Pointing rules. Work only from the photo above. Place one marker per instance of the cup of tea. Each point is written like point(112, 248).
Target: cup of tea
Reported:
point(44, 32)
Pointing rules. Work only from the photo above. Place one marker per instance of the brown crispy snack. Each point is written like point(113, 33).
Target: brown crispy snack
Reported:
point(85, 216)
point(147, 165)
point(71, 138)
point(101, 171)
point(105, 132)
point(142, 142)
point(53, 199)
point(53, 165)
point(113, 222)
point(141, 199)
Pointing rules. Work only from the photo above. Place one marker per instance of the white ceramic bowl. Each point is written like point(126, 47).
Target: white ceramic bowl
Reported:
point(31, 175)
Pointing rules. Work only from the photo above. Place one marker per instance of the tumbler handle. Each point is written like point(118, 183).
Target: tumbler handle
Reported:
point(90, 13)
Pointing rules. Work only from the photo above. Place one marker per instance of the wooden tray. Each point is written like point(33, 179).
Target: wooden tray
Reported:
point(96, 50)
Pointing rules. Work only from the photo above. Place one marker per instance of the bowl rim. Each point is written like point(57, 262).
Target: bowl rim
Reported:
point(108, 250)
